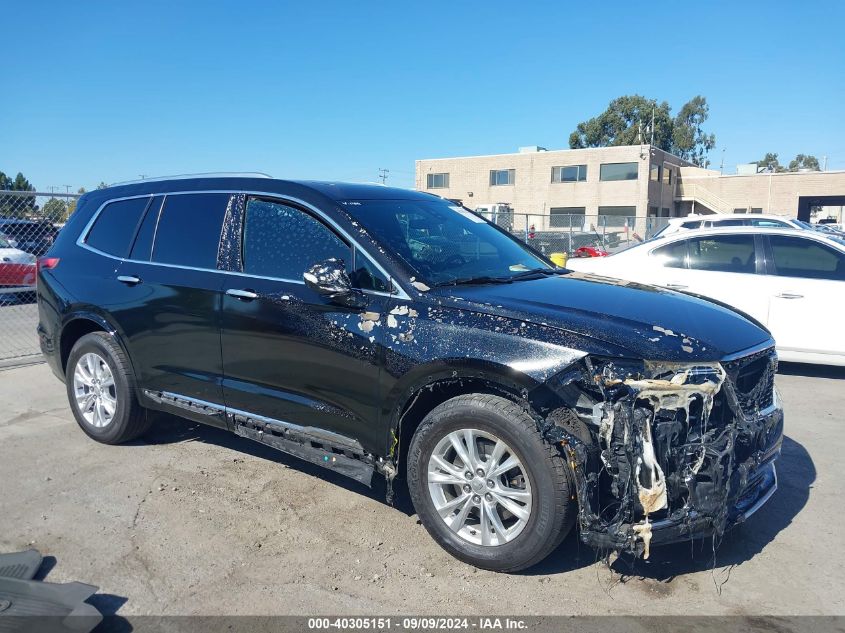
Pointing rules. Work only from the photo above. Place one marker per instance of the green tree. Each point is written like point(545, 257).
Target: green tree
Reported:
point(770, 162)
point(102, 185)
point(689, 141)
point(71, 205)
point(628, 121)
point(12, 205)
point(55, 210)
point(804, 161)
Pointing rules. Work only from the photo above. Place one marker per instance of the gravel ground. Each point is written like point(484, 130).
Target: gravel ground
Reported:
point(196, 521)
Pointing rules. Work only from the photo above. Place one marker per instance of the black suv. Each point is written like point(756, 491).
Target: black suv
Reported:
point(383, 331)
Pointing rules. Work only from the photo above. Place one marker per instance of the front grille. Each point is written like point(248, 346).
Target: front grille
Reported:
point(753, 379)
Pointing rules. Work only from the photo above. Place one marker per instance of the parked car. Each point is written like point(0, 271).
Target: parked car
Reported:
point(697, 221)
point(17, 269)
point(386, 332)
point(32, 236)
point(548, 242)
point(788, 280)
point(590, 251)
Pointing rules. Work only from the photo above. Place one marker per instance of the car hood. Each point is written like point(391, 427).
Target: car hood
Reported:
point(633, 319)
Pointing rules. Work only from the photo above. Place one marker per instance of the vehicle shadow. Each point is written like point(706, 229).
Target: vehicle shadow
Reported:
point(811, 371)
point(796, 474)
point(171, 429)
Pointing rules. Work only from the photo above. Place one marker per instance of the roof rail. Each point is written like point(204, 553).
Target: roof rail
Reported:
point(210, 174)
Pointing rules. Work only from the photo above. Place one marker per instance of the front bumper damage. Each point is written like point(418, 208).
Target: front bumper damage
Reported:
point(668, 452)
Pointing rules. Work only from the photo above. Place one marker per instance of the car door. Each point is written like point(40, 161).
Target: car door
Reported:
point(290, 354)
point(170, 297)
point(806, 286)
point(722, 267)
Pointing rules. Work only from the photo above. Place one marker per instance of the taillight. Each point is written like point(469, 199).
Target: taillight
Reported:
point(45, 263)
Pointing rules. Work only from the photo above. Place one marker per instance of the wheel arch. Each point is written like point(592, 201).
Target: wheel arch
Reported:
point(78, 325)
point(431, 386)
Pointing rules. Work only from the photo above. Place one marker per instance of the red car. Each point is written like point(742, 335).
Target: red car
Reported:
point(590, 251)
point(17, 268)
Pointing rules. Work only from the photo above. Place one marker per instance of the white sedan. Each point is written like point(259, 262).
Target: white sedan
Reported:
point(791, 281)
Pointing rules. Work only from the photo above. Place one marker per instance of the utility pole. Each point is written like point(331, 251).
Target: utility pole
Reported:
point(382, 173)
point(652, 126)
point(722, 164)
point(142, 176)
point(824, 163)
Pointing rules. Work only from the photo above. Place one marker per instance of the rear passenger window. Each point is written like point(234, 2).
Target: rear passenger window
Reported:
point(672, 255)
point(114, 228)
point(188, 232)
point(726, 253)
point(796, 257)
point(283, 242)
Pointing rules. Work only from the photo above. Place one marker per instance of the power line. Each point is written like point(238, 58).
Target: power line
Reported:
point(382, 173)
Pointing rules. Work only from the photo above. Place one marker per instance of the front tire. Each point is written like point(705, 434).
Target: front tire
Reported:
point(486, 486)
point(101, 390)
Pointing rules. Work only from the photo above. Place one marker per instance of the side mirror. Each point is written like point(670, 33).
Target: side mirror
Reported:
point(329, 279)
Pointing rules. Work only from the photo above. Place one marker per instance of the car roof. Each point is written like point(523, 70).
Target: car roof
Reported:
point(719, 217)
point(742, 230)
point(331, 190)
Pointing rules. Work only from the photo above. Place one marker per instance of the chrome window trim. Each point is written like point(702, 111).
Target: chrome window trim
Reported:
point(399, 292)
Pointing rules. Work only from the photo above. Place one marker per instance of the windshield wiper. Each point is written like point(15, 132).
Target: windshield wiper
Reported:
point(464, 281)
point(535, 271)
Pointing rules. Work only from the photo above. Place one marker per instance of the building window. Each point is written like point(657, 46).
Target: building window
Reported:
point(653, 212)
point(667, 175)
point(654, 174)
point(742, 210)
point(437, 181)
point(562, 217)
point(616, 216)
point(618, 171)
point(502, 176)
point(571, 173)
point(756, 209)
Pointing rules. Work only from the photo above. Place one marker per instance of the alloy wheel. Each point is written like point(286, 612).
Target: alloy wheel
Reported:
point(479, 487)
point(94, 390)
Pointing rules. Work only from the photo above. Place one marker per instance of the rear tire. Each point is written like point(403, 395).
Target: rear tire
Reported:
point(101, 390)
point(509, 520)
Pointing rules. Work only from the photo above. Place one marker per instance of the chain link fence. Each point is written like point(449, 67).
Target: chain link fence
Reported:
point(29, 223)
point(577, 235)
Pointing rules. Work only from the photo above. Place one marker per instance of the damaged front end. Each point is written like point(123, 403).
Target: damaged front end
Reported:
point(669, 451)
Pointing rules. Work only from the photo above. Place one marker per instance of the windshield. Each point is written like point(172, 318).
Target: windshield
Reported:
point(443, 243)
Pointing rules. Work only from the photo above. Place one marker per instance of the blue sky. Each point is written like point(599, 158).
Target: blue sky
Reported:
point(335, 90)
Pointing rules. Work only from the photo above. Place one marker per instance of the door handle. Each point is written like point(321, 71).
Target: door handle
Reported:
point(676, 286)
point(789, 295)
point(129, 280)
point(246, 295)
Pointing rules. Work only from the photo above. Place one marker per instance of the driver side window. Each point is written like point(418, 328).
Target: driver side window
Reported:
point(282, 241)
